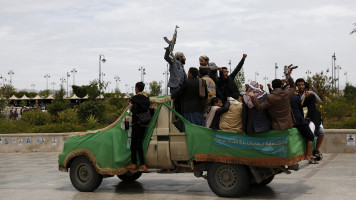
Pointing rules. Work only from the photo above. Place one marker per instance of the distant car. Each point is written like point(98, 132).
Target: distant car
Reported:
point(229, 161)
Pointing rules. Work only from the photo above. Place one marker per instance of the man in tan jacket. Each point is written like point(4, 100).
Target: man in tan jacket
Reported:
point(278, 104)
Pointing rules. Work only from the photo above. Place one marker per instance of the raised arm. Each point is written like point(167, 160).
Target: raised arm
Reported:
point(166, 56)
point(238, 67)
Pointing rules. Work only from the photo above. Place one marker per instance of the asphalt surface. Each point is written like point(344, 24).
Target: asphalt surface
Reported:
point(36, 176)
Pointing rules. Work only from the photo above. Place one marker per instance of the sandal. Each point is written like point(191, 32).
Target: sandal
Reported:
point(318, 155)
point(313, 160)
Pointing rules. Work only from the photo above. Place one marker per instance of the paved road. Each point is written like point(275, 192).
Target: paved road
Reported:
point(35, 176)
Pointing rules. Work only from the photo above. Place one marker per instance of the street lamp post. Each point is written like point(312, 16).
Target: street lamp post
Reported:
point(265, 79)
point(68, 75)
point(166, 73)
point(74, 71)
point(275, 70)
point(338, 78)
point(126, 88)
point(63, 80)
point(101, 59)
point(333, 59)
point(11, 73)
point(117, 79)
point(33, 86)
point(53, 83)
point(230, 65)
point(47, 77)
point(256, 74)
point(143, 73)
point(346, 77)
point(2, 79)
point(109, 82)
point(308, 72)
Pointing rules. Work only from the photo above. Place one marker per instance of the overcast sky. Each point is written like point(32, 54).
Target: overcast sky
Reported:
point(39, 37)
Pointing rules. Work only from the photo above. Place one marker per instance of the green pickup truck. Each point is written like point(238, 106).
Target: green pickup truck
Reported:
point(229, 161)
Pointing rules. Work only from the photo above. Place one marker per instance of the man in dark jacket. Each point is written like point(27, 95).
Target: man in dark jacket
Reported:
point(309, 100)
point(139, 103)
point(176, 70)
point(303, 126)
point(278, 104)
point(193, 103)
point(226, 82)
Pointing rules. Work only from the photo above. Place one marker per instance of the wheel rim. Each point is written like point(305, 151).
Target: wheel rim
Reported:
point(226, 177)
point(84, 173)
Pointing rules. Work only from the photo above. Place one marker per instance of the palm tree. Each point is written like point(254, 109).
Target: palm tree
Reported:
point(353, 31)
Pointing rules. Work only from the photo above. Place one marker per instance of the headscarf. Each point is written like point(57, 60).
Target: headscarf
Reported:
point(255, 88)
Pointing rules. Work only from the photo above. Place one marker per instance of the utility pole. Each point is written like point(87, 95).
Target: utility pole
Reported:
point(275, 70)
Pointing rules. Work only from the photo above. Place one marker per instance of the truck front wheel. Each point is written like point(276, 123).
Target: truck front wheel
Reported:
point(228, 180)
point(83, 175)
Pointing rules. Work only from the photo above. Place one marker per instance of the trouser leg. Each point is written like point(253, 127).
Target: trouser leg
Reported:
point(136, 144)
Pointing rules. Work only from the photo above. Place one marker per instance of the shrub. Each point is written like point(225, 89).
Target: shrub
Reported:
point(92, 122)
point(69, 115)
point(58, 128)
point(14, 126)
point(338, 108)
point(91, 107)
point(36, 117)
point(58, 106)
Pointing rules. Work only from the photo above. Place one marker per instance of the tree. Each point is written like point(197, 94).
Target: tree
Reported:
point(93, 90)
point(80, 91)
point(28, 94)
point(321, 84)
point(240, 79)
point(354, 30)
point(7, 90)
point(350, 92)
point(155, 88)
point(59, 104)
point(45, 93)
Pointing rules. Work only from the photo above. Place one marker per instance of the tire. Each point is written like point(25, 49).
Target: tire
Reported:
point(129, 177)
point(228, 180)
point(264, 182)
point(83, 175)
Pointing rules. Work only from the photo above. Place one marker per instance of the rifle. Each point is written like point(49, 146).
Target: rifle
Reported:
point(286, 70)
point(172, 43)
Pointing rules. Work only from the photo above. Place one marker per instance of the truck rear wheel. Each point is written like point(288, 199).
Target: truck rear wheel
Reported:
point(129, 177)
point(83, 175)
point(228, 180)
